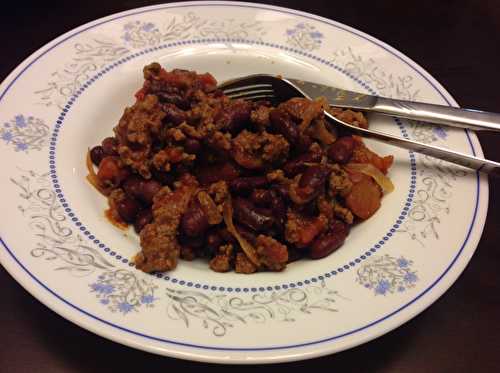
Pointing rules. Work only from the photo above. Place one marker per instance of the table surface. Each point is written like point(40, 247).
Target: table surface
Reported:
point(457, 42)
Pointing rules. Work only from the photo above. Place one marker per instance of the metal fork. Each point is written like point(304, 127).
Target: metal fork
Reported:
point(275, 89)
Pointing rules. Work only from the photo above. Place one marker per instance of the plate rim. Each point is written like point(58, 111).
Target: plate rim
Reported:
point(475, 229)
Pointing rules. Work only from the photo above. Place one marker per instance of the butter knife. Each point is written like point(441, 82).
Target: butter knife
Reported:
point(446, 115)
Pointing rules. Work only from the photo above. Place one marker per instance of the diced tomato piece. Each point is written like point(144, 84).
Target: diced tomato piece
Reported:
point(362, 154)
point(140, 94)
point(364, 198)
point(208, 81)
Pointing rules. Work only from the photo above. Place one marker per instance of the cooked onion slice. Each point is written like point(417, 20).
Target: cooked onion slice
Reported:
point(247, 248)
point(370, 170)
point(93, 179)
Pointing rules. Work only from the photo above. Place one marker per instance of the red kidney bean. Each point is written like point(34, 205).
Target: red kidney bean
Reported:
point(298, 165)
point(294, 254)
point(261, 197)
point(282, 123)
point(110, 173)
point(213, 241)
point(341, 150)
point(247, 184)
point(128, 209)
point(96, 154)
point(194, 222)
point(192, 242)
point(277, 205)
point(192, 146)
point(314, 177)
point(265, 103)
point(143, 218)
point(181, 169)
point(234, 117)
point(211, 174)
point(165, 178)
point(173, 114)
point(310, 208)
point(226, 236)
point(110, 146)
point(258, 219)
point(325, 245)
point(132, 186)
point(282, 189)
point(143, 190)
point(175, 99)
point(339, 227)
point(303, 144)
point(148, 190)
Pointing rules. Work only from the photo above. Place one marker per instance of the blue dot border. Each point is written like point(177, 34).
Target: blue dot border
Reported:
point(165, 276)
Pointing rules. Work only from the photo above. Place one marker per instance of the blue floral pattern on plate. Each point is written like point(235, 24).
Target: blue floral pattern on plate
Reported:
point(386, 275)
point(140, 34)
point(304, 36)
point(123, 291)
point(25, 133)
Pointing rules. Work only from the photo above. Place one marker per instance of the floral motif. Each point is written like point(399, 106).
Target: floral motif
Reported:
point(140, 34)
point(56, 240)
point(304, 36)
point(223, 311)
point(385, 83)
point(386, 275)
point(436, 181)
point(123, 291)
point(230, 29)
point(87, 59)
point(425, 132)
point(90, 57)
point(25, 133)
point(435, 188)
point(432, 198)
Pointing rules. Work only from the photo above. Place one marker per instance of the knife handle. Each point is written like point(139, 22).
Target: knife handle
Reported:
point(447, 115)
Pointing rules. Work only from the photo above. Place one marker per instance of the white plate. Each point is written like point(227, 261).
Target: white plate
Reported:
point(69, 94)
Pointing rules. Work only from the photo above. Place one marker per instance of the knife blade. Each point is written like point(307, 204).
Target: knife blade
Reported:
point(338, 97)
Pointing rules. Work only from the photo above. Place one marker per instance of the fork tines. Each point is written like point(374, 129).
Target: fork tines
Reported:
point(250, 92)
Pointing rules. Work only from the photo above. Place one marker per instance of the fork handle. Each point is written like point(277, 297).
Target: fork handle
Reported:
point(447, 115)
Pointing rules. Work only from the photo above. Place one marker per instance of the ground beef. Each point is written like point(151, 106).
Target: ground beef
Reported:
point(219, 141)
point(355, 118)
point(222, 261)
point(160, 248)
point(243, 264)
point(339, 182)
point(326, 207)
point(135, 132)
point(175, 134)
point(272, 254)
point(260, 117)
point(166, 158)
point(187, 253)
point(255, 151)
point(343, 213)
point(184, 150)
point(193, 132)
point(277, 176)
point(301, 230)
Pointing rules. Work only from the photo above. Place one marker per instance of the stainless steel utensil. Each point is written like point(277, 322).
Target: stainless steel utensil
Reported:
point(275, 89)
